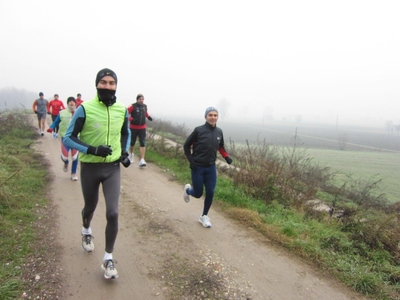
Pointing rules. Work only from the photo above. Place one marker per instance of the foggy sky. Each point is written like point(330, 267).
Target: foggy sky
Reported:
point(324, 60)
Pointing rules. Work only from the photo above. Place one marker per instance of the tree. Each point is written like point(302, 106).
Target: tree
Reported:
point(11, 98)
point(223, 108)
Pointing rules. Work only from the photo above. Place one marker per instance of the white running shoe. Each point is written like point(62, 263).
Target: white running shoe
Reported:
point(131, 157)
point(41, 133)
point(186, 197)
point(108, 266)
point(205, 221)
point(56, 135)
point(74, 177)
point(142, 163)
point(87, 242)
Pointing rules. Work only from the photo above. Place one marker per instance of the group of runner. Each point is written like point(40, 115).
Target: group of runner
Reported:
point(103, 131)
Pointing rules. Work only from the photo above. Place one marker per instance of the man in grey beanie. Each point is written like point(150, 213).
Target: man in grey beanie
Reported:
point(201, 150)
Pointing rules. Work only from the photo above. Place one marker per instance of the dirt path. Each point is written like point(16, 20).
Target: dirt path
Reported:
point(164, 253)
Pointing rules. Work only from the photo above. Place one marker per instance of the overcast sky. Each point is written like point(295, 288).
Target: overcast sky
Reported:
point(324, 60)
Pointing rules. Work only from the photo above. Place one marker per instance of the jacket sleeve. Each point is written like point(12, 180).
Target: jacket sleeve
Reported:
point(125, 134)
point(75, 127)
point(130, 109)
point(56, 122)
point(192, 138)
point(221, 147)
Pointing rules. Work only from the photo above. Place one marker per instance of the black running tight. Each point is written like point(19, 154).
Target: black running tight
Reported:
point(109, 176)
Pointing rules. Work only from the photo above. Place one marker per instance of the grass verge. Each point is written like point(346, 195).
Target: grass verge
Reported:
point(24, 211)
point(325, 242)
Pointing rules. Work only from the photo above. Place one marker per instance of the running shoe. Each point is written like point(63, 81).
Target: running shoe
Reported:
point(142, 163)
point(205, 221)
point(74, 177)
point(87, 242)
point(41, 133)
point(65, 168)
point(186, 196)
point(131, 157)
point(108, 266)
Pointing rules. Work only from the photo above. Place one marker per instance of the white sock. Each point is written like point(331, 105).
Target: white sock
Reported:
point(86, 231)
point(107, 256)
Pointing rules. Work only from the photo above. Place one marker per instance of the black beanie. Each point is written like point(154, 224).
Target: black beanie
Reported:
point(105, 72)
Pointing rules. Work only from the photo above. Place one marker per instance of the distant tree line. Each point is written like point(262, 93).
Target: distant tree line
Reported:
point(13, 98)
point(391, 127)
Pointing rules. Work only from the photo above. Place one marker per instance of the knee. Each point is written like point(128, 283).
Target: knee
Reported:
point(197, 194)
point(112, 216)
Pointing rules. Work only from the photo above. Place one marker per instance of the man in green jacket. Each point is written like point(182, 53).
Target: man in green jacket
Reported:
point(103, 129)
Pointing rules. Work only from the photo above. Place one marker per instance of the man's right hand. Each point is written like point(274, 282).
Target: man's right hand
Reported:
point(102, 150)
point(193, 166)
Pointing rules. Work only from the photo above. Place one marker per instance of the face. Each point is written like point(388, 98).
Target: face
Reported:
point(71, 105)
point(108, 83)
point(140, 100)
point(212, 118)
point(55, 96)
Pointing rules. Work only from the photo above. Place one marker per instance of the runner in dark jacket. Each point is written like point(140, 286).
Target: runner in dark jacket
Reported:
point(137, 117)
point(201, 150)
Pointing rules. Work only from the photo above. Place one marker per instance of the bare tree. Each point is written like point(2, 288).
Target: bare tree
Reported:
point(223, 108)
point(11, 98)
point(389, 126)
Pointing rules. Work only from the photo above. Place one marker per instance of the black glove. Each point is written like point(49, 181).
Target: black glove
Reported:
point(193, 165)
point(228, 160)
point(150, 118)
point(125, 161)
point(35, 111)
point(100, 150)
point(49, 113)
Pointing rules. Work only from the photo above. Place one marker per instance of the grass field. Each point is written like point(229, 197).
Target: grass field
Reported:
point(364, 164)
point(357, 151)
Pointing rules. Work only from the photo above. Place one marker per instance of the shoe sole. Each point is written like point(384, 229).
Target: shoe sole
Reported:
point(186, 197)
point(108, 277)
point(204, 225)
point(88, 250)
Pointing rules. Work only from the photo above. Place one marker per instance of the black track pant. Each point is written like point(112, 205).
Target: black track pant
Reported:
point(109, 176)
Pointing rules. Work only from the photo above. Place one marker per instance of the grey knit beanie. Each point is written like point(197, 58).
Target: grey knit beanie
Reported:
point(210, 109)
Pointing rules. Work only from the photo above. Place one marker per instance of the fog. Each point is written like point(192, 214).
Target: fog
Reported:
point(314, 61)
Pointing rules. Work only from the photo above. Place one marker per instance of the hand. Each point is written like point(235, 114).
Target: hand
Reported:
point(102, 150)
point(49, 113)
point(50, 130)
point(228, 160)
point(125, 161)
point(193, 166)
point(35, 111)
point(150, 118)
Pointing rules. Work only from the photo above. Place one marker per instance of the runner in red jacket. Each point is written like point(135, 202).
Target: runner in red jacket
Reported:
point(53, 109)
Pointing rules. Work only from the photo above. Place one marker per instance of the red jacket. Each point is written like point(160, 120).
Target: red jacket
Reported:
point(55, 106)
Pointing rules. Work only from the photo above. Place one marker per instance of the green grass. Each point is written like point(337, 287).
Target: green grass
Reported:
point(324, 244)
point(23, 179)
point(363, 164)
